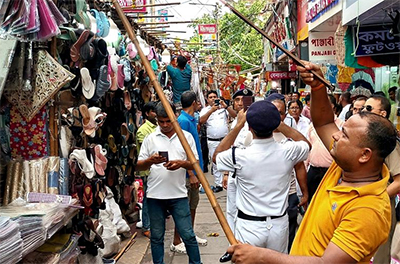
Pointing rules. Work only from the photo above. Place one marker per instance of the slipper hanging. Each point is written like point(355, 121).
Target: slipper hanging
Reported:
point(88, 88)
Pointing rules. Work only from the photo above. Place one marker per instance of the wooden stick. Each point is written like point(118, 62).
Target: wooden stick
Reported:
point(149, 5)
point(211, 197)
point(146, 28)
point(166, 22)
point(125, 248)
point(288, 53)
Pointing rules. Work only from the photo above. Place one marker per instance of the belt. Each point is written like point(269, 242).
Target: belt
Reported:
point(215, 139)
point(256, 218)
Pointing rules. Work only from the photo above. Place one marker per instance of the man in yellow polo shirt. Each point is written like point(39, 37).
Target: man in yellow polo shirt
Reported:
point(349, 216)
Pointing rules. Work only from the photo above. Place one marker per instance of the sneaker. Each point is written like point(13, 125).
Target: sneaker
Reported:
point(201, 241)
point(180, 248)
point(139, 224)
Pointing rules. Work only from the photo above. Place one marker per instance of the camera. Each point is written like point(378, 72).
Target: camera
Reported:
point(216, 101)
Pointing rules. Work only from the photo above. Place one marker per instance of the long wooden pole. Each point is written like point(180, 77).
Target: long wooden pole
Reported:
point(264, 34)
point(166, 22)
point(214, 204)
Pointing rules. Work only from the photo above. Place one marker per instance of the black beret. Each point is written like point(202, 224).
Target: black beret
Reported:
point(263, 116)
point(275, 96)
point(243, 92)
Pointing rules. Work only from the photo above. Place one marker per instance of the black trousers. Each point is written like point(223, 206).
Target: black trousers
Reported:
point(292, 212)
point(314, 177)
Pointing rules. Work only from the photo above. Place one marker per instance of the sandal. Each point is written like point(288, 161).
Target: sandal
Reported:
point(111, 143)
point(76, 47)
point(87, 199)
point(87, 122)
point(100, 161)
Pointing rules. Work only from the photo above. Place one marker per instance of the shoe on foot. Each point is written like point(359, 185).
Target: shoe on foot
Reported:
point(218, 189)
point(201, 241)
point(180, 248)
point(139, 224)
point(225, 258)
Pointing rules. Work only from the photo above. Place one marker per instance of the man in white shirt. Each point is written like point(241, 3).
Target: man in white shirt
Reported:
point(215, 116)
point(166, 186)
point(263, 172)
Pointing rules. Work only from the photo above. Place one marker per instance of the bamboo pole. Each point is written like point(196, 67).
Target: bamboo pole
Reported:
point(126, 247)
point(166, 22)
point(288, 53)
point(149, 5)
point(210, 195)
point(157, 30)
point(147, 16)
point(156, 27)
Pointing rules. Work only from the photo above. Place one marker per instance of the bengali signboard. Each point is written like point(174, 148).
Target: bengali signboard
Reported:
point(375, 40)
point(321, 46)
point(278, 75)
point(207, 29)
point(131, 5)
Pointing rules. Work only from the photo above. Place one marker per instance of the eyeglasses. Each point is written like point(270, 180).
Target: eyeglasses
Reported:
point(368, 108)
point(294, 108)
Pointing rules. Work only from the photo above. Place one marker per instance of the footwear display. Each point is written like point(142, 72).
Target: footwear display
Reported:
point(180, 248)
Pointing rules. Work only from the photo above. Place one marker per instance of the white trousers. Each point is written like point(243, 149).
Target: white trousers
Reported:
point(212, 145)
point(272, 233)
point(231, 209)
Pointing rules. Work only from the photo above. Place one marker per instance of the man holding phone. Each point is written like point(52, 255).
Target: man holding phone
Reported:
point(166, 190)
point(215, 116)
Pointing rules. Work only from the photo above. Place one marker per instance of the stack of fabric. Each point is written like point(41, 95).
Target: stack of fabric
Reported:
point(32, 232)
point(10, 241)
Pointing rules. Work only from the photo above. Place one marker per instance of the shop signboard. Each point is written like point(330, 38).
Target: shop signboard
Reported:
point(316, 8)
point(207, 29)
point(129, 6)
point(375, 40)
point(278, 75)
point(302, 26)
point(321, 46)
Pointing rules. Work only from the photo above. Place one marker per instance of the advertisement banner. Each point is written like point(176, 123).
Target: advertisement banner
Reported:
point(321, 46)
point(129, 6)
point(207, 29)
point(375, 40)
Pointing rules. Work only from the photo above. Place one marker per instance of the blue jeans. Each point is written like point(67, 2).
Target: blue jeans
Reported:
point(145, 212)
point(179, 209)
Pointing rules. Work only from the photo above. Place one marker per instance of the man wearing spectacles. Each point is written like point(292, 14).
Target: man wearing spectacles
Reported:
point(349, 215)
point(380, 105)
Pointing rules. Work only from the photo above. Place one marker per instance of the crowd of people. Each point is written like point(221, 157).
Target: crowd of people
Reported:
point(336, 163)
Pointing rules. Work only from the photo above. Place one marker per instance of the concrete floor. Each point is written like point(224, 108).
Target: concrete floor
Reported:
point(206, 222)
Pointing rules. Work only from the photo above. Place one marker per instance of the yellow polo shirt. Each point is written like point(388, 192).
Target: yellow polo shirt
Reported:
point(357, 220)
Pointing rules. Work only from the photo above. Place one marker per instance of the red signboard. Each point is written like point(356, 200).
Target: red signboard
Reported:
point(277, 75)
point(129, 6)
point(208, 29)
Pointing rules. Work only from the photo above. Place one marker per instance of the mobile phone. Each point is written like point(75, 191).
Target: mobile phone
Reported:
point(247, 101)
point(216, 101)
point(163, 154)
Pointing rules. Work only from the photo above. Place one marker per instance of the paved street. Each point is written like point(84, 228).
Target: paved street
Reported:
point(206, 222)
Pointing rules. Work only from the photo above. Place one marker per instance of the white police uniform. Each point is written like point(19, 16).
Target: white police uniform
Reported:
point(242, 140)
point(263, 172)
point(217, 129)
